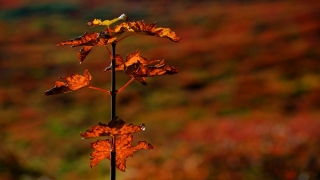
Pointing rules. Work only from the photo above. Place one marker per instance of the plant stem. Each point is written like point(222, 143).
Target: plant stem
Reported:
point(124, 86)
point(113, 112)
point(99, 89)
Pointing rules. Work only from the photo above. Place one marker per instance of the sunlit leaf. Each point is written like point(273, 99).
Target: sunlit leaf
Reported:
point(114, 127)
point(139, 67)
point(119, 64)
point(135, 57)
point(141, 27)
point(70, 83)
point(131, 59)
point(92, 39)
point(88, 40)
point(124, 149)
point(139, 71)
point(96, 22)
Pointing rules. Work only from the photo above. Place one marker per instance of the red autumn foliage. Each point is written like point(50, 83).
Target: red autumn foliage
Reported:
point(70, 83)
point(150, 29)
point(124, 149)
point(139, 67)
point(115, 127)
point(108, 36)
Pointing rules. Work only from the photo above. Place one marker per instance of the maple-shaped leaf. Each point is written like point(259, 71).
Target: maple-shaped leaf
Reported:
point(70, 83)
point(130, 59)
point(119, 64)
point(124, 149)
point(139, 67)
point(115, 127)
point(141, 27)
point(96, 22)
point(88, 40)
point(136, 57)
point(92, 39)
point(139, 71)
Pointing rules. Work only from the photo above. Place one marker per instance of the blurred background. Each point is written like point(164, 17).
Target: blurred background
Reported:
point(245, 104)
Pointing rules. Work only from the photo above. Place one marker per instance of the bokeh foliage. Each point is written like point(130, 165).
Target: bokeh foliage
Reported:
point(245, 104)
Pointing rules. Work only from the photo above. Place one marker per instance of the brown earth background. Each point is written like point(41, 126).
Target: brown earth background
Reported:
point(245, 104)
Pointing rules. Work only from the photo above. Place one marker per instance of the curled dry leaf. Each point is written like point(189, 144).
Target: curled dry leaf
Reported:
point(83, 52)
point(139, 72)
point(111, 34)
point(150, 29)
point(139, 67)
point(88, 40)
point(124, 150)
point(114, 127)
point(130, 59)
point(92, 39)
point(136, 57)
point(70, 83)
point(119, 64)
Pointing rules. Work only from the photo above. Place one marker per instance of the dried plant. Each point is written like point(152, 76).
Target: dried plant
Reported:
point(118, 147)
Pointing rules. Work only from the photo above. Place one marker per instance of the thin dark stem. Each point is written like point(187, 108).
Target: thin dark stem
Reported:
point(113, 82)
point(113, 112)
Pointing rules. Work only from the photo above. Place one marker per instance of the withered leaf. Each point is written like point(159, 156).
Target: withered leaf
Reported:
point(135, 57)
point(119, 64)
point(150, 29)
point(83, 52)
point(139, 71)
point(92, 39)
point(115, 127)
point(130, 59)
point(70, 83)
point(88, 40)
point(139, 67)
point(124, 149)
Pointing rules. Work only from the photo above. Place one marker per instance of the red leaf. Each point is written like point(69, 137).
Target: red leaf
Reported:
point(124, 149)
point(139, 67)
point(114, 127)
point(70, 83)
point(150, 29)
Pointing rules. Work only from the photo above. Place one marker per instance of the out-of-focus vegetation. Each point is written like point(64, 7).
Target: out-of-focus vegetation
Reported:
point(245, 104)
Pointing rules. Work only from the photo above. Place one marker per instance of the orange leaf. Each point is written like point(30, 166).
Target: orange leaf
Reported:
point(119, 64)
point(135, 57)
point(141, 27)
point(83, 52)
point(70, 83)
point(139, 71)
point(139, 67)
point(89, 40)
point(130, 59)
point(124, 149)
point(114, 127)
point(92, 39)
